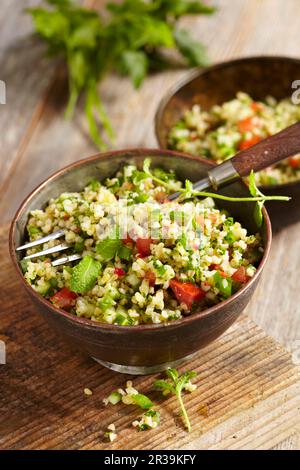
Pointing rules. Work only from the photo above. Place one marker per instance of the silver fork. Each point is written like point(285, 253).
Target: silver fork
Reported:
point(49, 251)
point(259, 156)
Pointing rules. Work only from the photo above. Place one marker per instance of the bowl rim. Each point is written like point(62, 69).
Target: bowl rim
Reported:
point(92, 324)
point(192, 75)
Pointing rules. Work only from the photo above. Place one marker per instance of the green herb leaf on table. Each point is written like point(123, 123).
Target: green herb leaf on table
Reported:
point(85, 274)
point(142, 401)
point(178, 382)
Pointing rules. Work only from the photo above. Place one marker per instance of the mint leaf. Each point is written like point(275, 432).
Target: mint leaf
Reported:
point(124, 252)
point(108, 248)
point(84, 275)
point(142, 401)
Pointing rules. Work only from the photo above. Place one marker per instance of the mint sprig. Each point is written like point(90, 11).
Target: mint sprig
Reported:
point(85, 274)
point(175, 386)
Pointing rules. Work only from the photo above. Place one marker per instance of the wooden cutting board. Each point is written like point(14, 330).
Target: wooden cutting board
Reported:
point(247, 396)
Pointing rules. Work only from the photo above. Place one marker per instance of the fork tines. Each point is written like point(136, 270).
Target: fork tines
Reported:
point(49, 251)
point(42, 240)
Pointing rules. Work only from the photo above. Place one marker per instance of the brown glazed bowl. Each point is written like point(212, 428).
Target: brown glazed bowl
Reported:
point(258, 76)
point(138, 349)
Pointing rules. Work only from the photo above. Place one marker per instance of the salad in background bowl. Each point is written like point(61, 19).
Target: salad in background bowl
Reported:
point(231, 106)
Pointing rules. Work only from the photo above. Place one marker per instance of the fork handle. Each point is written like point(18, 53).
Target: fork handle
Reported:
point(269, 151)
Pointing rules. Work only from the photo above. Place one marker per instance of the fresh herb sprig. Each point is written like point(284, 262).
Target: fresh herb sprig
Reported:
point(176, 385)
point(84, 275)
point(188, 192)
point(128, 40)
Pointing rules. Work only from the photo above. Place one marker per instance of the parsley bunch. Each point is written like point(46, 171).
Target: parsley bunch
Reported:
point(128, 40)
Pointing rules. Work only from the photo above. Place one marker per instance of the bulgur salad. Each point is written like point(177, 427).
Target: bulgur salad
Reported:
point(144, 259)
point(219, 133)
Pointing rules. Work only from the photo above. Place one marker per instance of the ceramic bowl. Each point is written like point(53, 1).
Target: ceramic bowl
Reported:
point(138, 349)
point(257, 76)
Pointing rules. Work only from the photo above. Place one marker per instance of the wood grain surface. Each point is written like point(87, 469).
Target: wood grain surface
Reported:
point(43, 381)
point(247, 396)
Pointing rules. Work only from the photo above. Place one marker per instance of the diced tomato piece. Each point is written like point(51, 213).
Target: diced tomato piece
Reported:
point(207, 284)
point(256, 106)
point(64, 298)
point(119, 272)
point(294, 162)
point(214, 266)
point(201, 221)
point(186, 292)
point(240, 275)
point(245, 125)
point(245, 144)
point(127, 185)
point(195, 245)
point(217, 267)
point(161, 197)
point(223, 274)
point(213, 218)
point(150, 276)
point(143, 246)
point(128, 241)
point(66, 217)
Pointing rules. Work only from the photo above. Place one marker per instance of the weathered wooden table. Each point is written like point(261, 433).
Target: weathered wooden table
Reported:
point(36, 140)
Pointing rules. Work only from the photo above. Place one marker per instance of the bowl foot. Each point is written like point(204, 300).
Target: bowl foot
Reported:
point(143, 370)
